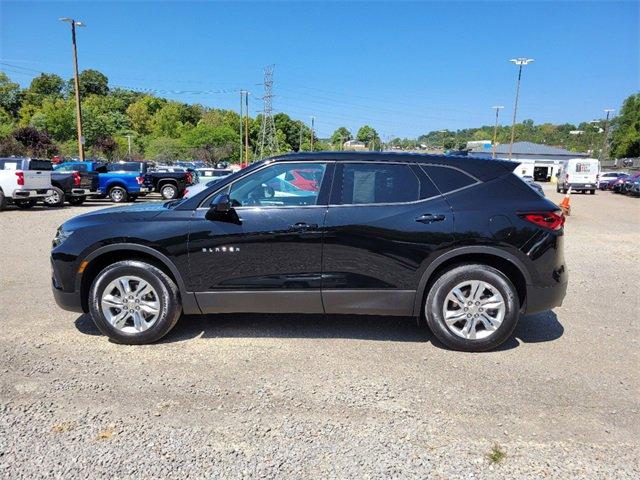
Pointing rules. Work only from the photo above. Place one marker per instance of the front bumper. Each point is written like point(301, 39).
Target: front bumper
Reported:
point(20, 194)
point(66, 300)
point(540, 299)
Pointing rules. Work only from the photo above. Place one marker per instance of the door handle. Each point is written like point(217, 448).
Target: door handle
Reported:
point(430, 218)
point(302, 226)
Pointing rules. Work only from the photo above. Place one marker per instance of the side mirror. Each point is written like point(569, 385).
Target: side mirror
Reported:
point(221, 210)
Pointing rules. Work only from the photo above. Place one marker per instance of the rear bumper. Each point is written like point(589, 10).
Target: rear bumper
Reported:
point(544, 298)
point(583, 186)
point(20, 194)
point(81, 192)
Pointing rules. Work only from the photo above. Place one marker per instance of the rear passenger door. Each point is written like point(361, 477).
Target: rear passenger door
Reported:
point(384, 223)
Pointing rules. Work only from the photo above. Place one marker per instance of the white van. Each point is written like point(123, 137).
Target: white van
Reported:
point(581, 174)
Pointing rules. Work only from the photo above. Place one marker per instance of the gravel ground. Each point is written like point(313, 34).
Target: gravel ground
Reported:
point(333, 397)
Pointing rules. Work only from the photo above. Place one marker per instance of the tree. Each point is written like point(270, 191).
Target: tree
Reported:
point(105, 145)
point(6, 123)
point(166, 122)
point(166, 149)
point(47, 84)
point(625, 140)
point(340, 136)
point(35, 142)
point(213, 143)
point(368, 135)
point(91, 82)
point(10, 95)
point(141, 111)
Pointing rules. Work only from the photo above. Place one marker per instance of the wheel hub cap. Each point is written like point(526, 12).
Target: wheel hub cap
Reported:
point(130, 304)
point(474, 309)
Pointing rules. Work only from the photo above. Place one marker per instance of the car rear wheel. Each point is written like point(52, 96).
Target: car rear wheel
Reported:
point(3, 201)
point(118, 195)
point(134, 303)
point(56, 199)
point(169, 191)
point(472, 307)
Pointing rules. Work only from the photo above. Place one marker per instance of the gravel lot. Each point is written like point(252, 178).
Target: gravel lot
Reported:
point(333, 397)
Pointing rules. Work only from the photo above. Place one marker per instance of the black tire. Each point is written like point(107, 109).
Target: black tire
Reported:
point(168, 191)
point(118, 194)
point(3, 201)
point(169, 299)
point(132, 198)
point(75, 201)
point(24, 204)
point(56, 199)
point(435, 302)
point(592, 192)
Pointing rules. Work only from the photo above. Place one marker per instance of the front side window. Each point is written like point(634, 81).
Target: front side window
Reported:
point(371, 183)
point(278, 186)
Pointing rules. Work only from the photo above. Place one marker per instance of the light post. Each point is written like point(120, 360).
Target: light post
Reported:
point(603, 152)
point(495, 130)
point(520, 62)
point(76, 82)
point(313, 119)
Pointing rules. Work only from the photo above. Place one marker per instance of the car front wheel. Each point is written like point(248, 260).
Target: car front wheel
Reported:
point(134, 303)
point(472, 307)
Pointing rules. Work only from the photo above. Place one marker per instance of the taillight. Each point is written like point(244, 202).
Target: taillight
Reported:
point(20, 176)
point(186, 193)
point(140, 180)
point(76, 179)
point(550, 220)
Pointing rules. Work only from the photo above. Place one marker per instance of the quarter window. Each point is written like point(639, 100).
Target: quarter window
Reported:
point(448, 179)
point(279, 185)
point(371, 183)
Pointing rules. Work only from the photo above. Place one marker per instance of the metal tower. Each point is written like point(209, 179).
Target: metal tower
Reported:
point(268, 138)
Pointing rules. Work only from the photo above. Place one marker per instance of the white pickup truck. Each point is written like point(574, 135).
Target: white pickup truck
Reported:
point(24, 181)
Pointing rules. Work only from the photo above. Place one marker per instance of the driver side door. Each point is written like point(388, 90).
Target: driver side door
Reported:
point(267, 256)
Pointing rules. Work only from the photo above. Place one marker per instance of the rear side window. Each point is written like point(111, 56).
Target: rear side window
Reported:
point(40, 165)
point(448, 179)
point(9, 165)
point(371, 183)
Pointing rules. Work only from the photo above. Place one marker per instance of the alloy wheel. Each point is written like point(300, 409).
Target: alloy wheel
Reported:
point(130, 304)
point(474, 309)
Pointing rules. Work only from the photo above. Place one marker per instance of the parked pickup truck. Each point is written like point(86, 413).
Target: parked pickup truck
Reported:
point(73, 183)
point(23, 181)
point(121, 181)
point(170, 182)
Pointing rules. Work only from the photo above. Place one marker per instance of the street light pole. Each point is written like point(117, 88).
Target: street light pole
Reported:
point(313, 119)
point(603, 152)
point(520, 62)
point(495, 130)
point(76, 83)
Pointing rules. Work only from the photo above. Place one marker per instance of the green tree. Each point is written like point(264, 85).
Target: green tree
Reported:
point(368, 135)
point(166, 149)
point(141, 111)
point(10, 95)
point(47, 84)
point(625, 141)
point(167, 122)
point(59, 118)
point(6, 123)
point(213, 143)
point(92, 82)
point(341, 135)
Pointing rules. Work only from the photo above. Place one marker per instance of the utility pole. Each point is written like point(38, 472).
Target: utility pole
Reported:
point(268, 136)
point(520, 62)
point(76, 83)
point(313, 119)
point(246, 127)
point(129, 144)
point(300, 141)
point(495, 130)
point(605, 143)
point(241, 125)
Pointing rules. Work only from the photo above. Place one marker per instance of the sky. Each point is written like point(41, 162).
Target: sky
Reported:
point(404, 68)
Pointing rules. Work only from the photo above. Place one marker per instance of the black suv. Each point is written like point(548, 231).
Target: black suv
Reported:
point(459, 242)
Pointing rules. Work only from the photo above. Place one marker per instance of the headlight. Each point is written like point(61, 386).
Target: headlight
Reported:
point(61, 236)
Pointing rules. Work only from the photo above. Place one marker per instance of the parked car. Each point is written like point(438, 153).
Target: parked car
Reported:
point(120, 181)
point(615, 185)
point(191, 190)
point(71, 183)
point(606, 177)
point(208, 172)
point(170, 184)
point(581, 174)
point(528, 179)
point(623, 184)
point(635, 188)
point(24, 181)
point(377, 236)
point(304, 179)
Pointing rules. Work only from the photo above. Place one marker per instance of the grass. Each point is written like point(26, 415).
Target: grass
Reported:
point(497, 454)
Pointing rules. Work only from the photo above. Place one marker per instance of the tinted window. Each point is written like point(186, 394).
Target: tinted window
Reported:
point(448, 179)
point(270, 187)
point(10, 164)
point(367, 183)
point(124, 167)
